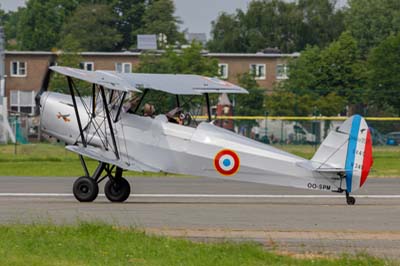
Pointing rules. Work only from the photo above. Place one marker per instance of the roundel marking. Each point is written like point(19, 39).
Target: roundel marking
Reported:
point(226, 162)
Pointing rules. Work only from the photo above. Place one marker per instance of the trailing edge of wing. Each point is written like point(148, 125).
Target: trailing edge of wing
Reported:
point(105, 79)
point(109, 157)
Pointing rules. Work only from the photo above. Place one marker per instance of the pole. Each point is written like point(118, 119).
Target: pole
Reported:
point(16, 139)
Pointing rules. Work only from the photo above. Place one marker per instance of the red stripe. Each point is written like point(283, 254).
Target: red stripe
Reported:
point(368, 161)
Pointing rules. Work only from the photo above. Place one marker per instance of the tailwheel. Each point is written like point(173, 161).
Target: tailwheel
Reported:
point(349, 199)
point(117, 189)
point(85, 189)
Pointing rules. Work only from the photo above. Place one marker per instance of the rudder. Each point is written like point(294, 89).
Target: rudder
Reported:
point(348, 149)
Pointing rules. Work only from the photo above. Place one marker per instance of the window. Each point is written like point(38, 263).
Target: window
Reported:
point(282, 71)
point(123, 67)
point(18, 69)
point(258, 70)
point(89, 66)
point(22, 101)
point(223, 70)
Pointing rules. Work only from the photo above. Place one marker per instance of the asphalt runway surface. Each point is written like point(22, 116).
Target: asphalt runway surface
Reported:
point(284, 219)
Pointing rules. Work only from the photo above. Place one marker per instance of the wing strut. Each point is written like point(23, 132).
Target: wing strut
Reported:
point(208, 107)
point(103, 95)
point(94, 100)
point(120, 107)
point(71, 89)
point(141, 100)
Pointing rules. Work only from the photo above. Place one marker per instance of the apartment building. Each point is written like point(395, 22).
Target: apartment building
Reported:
point(25, 70)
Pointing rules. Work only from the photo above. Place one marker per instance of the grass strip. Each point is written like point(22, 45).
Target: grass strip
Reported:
point(100, 244)
point(54, 160)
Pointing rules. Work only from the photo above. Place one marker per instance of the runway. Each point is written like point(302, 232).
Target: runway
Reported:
point(285, 219)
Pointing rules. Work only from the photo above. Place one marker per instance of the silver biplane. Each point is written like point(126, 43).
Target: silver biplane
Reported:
point(99, 127)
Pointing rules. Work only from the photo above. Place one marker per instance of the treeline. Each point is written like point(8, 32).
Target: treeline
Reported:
point(349, 60)
point(91, 25)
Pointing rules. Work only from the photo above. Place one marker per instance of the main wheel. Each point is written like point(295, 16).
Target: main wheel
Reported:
point(350, 200)
point(85, 189)
point(117, 190)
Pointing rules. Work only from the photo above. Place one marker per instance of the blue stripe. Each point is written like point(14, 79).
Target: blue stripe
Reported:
point(351, 151)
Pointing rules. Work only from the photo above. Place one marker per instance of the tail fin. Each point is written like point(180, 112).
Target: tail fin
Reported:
point(347, 149)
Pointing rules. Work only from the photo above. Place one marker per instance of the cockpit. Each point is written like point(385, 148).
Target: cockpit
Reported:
point(178, 109)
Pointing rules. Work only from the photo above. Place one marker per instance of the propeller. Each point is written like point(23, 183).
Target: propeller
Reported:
point(44, 87)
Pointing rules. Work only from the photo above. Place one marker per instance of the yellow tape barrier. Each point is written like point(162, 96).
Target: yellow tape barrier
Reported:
point(309, 118)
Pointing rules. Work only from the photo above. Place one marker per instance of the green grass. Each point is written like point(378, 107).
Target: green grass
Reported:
point(54, 160)
point(46, 160)
point(99, 244)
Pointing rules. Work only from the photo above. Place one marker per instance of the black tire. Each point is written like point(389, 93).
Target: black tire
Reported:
point(117, 190)
point(351, 201)
point(85, 189)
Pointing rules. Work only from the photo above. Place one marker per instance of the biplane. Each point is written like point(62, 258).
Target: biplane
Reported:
point(100, 127)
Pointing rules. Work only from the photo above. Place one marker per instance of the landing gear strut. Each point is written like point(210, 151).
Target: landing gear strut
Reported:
point(86, 188)
point(349, 199)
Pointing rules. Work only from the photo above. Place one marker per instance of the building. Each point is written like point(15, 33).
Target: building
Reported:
point(25, 70)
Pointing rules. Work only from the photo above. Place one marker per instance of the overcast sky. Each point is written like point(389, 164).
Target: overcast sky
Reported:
point(196, 15)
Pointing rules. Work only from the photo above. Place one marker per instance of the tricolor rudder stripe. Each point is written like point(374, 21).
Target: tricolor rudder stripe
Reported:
point(359, 154)
point(226, 162)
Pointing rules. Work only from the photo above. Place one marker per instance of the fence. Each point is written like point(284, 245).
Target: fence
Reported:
point(306, 130)
point(267, 129)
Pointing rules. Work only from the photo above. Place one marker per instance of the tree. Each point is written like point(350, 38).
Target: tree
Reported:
point(248, 104)
point(10, 23)
point(40, 23)
point(93, 27)
point(371, 21)
point(322, 22)
point(289, 26)
point(159, 18)
point(226, 35)
point(384, 79)
point(130, 20)
point(285, 103)
point(252, 103)
point(336, 69)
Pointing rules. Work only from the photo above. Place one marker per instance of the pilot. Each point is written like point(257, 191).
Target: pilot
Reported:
point(174, 116)
point(148, 110)
point(130, 105)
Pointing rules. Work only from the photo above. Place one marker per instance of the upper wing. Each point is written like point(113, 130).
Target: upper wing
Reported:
point(181, 84)
point(105, 79)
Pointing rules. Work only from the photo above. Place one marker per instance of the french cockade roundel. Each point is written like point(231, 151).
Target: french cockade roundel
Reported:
point(226, 162)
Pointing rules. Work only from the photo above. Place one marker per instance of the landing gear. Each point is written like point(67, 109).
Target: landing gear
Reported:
point(117, 190)
point(86, 188)
point(349, 199)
